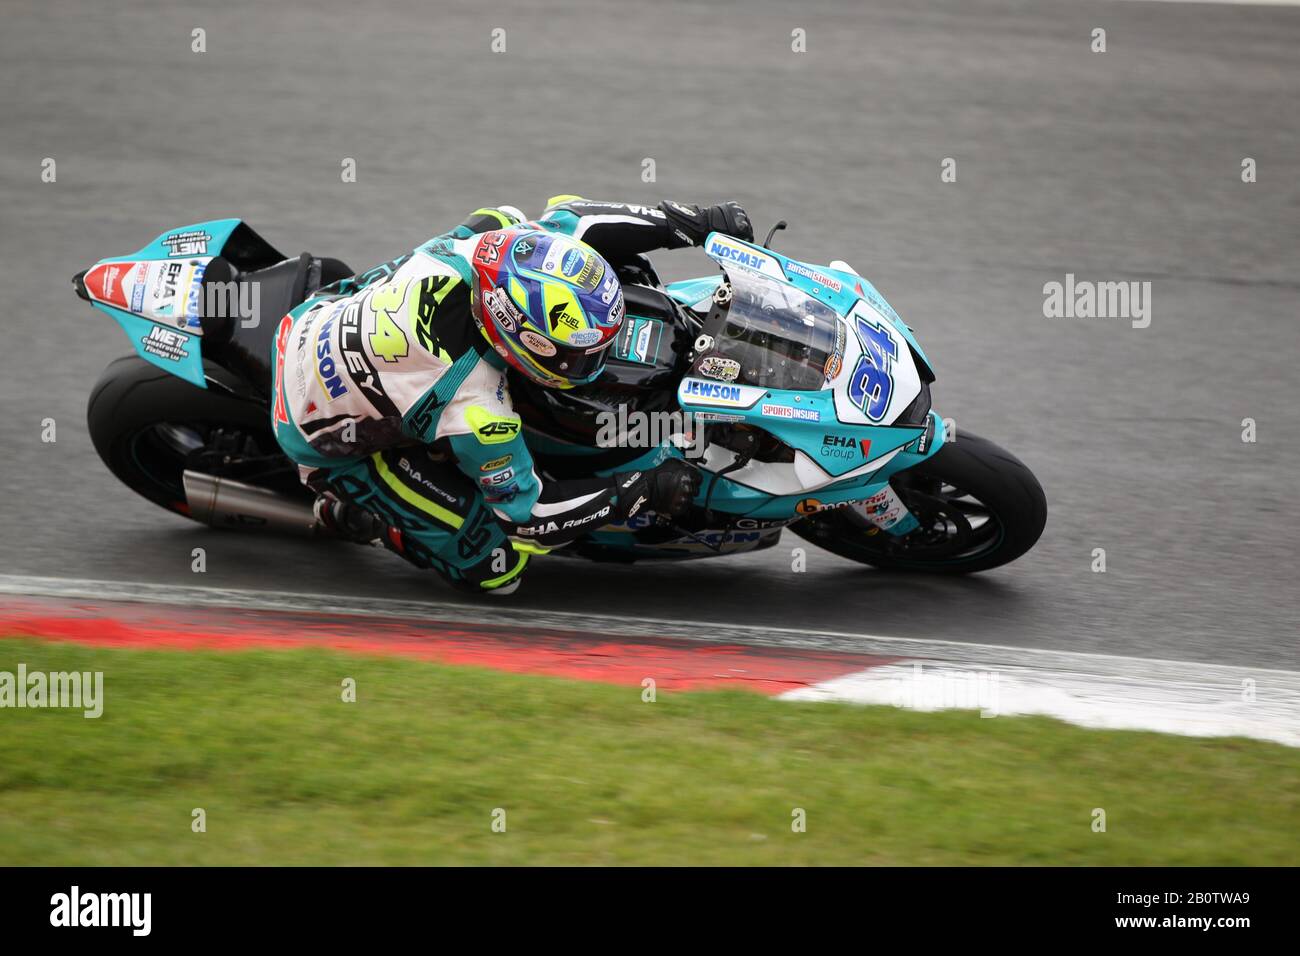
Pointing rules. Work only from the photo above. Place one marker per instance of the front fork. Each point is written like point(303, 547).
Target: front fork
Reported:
point(885, 510)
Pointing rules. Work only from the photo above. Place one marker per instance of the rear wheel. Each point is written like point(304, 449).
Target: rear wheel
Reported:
point(978, 506)
point(148, 426)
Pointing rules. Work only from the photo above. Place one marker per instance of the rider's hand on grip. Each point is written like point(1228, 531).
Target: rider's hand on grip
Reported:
point(694, 222)
point(667, 490)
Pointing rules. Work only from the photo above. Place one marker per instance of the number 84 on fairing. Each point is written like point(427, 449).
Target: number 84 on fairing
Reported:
point(872, 382)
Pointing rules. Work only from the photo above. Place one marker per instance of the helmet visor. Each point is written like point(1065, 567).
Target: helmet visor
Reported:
point(575, 365)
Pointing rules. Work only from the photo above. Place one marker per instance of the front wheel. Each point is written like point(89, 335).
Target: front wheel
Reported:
point(979, 507)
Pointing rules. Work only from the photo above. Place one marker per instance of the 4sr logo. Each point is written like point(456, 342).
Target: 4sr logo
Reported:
point(499, 430)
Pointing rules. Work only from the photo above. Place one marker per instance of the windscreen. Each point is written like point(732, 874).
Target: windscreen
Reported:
point(780, 337)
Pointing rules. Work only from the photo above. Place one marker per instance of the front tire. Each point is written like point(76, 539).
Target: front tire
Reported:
point(978, 505)
point(148, 426)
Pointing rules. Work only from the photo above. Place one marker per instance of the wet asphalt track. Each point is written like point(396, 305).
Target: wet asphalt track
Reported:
point(1115, 166)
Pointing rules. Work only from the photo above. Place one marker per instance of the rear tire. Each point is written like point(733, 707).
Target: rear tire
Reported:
point(148, 425)
point(979, 507)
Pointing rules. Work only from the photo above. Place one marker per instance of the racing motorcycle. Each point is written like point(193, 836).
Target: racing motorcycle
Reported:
point(800, 393)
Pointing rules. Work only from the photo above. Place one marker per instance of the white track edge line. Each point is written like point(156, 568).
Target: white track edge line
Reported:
point(1090, 690)
point(719, 632)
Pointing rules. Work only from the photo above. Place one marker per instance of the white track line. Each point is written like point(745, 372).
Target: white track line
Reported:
point(1096, 690)
point(1199, 708)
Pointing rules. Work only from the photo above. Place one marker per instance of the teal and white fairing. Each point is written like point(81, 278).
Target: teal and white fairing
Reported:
point(815, 356)
point(153, 294)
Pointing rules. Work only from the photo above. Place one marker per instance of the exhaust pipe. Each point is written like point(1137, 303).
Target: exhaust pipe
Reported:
point(223, 503)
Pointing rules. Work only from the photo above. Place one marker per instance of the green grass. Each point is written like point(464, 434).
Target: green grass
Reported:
point(589, 774)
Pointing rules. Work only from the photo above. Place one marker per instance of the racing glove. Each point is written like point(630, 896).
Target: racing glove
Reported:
point(692, 223)
point(666, 490)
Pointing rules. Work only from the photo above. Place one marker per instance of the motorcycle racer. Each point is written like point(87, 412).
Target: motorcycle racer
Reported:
point(391, 393)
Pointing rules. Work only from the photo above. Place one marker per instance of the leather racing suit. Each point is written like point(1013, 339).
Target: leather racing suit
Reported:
point(389, 399)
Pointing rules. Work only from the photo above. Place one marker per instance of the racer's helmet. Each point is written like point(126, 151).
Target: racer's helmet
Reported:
point(549, 304)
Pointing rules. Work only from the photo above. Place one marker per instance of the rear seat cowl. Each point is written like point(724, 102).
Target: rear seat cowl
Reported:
point(217, 328)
